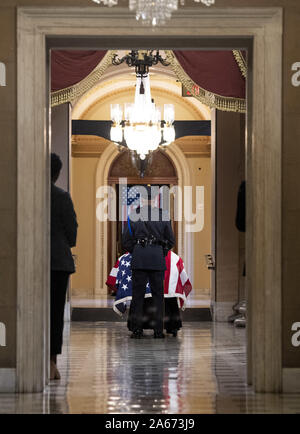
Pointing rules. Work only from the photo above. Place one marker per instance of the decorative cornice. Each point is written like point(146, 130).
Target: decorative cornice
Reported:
point(122, 12)
point(94, 146)
point(195, 140)
point(88, 146)
point(195, 146)
point(146, 180)
point(78, 139)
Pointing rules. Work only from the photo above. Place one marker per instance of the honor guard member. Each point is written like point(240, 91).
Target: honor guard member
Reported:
point(149, 237)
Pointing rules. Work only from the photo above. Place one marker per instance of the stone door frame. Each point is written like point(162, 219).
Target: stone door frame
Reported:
point(193, 28)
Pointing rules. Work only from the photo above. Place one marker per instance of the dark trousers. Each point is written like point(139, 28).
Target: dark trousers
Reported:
point(172, 319)
point(172, 315)
point(139, 282)
point(59, 285)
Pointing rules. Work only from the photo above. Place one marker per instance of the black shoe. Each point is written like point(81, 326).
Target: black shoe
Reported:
point(159, 335)
point(137, 334)
point(172, 332)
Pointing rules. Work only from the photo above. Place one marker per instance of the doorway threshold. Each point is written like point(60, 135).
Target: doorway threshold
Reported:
point(94, 314)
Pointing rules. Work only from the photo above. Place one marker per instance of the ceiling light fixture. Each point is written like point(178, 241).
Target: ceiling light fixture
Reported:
point(142, 129)
point(154, 12)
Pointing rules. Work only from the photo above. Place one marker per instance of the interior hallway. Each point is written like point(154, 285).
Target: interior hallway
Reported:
point(103, 371)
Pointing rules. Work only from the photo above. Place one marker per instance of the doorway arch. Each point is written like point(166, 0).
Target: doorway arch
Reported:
point(105, 176)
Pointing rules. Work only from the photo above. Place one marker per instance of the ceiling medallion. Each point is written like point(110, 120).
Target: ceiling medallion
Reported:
point(154, 12)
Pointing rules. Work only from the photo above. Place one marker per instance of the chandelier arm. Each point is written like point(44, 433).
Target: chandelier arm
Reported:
point(164, 62)
point(117, 61)
point(129, 61)
point(141, 65)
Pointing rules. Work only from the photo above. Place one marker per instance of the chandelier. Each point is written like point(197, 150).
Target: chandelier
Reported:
point(154, 12)
point(142, 129)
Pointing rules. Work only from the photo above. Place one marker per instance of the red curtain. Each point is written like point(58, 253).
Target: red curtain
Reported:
point(68, 67)
point(215, 71)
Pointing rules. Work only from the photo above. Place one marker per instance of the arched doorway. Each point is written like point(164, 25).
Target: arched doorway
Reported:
point(161, 172)
point(168, 167)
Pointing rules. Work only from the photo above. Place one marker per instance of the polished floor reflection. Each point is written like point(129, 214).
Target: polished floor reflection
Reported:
point(203, 370)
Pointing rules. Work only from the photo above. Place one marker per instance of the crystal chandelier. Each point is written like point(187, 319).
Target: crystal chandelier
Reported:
point(142, 129)
point(154, 12)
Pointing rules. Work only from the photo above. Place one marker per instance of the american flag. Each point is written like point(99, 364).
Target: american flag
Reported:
point(176, 284)
point(130, 199)
point(161, 197)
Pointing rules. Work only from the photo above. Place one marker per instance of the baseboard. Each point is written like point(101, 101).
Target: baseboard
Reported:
point(82, 292)
point(88, 292)
point(222, 310)
point(7, 380)
point(291, 380)
point(201, 291)
point(101, 291)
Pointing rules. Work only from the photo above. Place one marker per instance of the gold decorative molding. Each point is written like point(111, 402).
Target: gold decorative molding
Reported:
point(72, 93)
point(94, 146)
point(195, 146)
point(203, 140)
point(210, 99)
point(241, 61)
point(89, 139)
point(179, 100)
point(88, 146)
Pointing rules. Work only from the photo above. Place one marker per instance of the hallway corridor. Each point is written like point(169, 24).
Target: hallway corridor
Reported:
point(103, 371)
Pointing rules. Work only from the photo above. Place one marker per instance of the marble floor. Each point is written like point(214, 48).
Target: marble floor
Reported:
point(203, 370)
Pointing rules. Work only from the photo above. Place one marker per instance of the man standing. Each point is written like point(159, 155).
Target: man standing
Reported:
point(148, 236)
point(63, 237)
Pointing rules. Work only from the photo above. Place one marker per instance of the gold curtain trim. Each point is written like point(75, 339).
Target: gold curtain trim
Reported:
point(210, 99)
point(241, 62)
point(72, 93)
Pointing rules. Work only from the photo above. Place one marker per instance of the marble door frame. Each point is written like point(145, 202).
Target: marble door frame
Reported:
point(264, 125)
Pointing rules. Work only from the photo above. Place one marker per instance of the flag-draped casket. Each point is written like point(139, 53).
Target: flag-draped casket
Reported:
point(176, 284)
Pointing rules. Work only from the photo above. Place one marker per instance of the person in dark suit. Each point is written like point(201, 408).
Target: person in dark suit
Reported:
point(63, 237)
point(148, 236)
point(240, 219)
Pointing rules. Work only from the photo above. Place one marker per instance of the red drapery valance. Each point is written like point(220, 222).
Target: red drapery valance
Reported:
point(216, 78)
point(69, 67)
point(214, 71)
